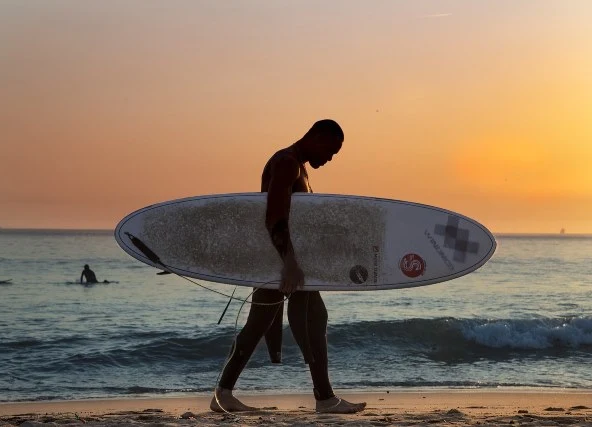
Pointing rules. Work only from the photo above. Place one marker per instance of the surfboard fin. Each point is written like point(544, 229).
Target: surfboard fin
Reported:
point(227, 305)
point(273, 336)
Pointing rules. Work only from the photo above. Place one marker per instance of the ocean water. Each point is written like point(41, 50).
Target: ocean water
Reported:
point(522, 320)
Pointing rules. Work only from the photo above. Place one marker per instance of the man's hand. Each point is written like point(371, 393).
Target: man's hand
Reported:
point(292, 276)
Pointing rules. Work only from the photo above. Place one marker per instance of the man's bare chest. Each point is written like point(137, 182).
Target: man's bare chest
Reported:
point(302, 185)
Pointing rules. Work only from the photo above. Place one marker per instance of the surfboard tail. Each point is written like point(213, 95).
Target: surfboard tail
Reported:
point(273, 336)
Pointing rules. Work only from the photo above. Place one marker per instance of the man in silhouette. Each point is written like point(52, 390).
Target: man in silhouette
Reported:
point(284, 174)
point(89, 275)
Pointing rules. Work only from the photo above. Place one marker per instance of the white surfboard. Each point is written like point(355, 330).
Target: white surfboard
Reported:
point(341, 242)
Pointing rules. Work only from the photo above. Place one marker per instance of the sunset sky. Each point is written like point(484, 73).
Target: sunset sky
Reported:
point(481, 107)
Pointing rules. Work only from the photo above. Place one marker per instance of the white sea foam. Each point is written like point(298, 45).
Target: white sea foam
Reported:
point(531, 334)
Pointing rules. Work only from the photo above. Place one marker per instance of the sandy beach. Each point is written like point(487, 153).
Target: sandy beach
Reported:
point(408, 408)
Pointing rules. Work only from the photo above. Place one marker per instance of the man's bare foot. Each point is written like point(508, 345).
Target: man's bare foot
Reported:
point(335, 405)
point(227, 401)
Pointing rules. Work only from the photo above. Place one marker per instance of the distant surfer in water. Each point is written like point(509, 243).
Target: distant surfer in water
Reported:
point(284, 174)
point(89, 275)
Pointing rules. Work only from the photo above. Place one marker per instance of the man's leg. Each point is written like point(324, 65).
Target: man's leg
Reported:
point(259, 319)
point(308, 320)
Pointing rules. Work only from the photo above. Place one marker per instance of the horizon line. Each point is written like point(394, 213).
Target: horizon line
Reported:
point(495, 233)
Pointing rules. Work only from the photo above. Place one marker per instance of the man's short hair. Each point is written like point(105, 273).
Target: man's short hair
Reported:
point(327, 127)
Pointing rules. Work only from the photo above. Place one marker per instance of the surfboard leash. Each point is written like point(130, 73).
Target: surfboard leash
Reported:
point(237, 417)
point(156, 260)
point(167, 270)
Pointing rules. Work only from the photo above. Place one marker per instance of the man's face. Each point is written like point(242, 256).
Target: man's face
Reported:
point(325, 148)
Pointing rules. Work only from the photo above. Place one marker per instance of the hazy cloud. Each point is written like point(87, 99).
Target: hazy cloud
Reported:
point(437, 15)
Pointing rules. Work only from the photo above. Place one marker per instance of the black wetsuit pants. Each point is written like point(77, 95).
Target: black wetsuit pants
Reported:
point(308, 320)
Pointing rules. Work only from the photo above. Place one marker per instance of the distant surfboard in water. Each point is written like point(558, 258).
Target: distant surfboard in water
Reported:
point(105, 282)
point(342, 243)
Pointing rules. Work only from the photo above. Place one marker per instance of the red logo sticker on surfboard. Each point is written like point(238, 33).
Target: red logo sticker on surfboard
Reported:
point(412, 265)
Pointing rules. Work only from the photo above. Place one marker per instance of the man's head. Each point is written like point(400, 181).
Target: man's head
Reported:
point(86, 267)
point(324, 138)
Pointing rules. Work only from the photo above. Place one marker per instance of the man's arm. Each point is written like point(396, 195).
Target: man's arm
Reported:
point(284, 172)
point(81, 276)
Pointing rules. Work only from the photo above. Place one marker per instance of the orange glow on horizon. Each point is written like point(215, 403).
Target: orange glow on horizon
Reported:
point(481, 108)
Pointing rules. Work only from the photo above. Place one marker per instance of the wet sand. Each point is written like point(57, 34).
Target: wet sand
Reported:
point(405, 408)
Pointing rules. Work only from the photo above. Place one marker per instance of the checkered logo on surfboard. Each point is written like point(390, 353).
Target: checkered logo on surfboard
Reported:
point(456, 238)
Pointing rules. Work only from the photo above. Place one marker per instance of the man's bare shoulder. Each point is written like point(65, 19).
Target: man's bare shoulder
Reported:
point(284, 162)
point(284, 155)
